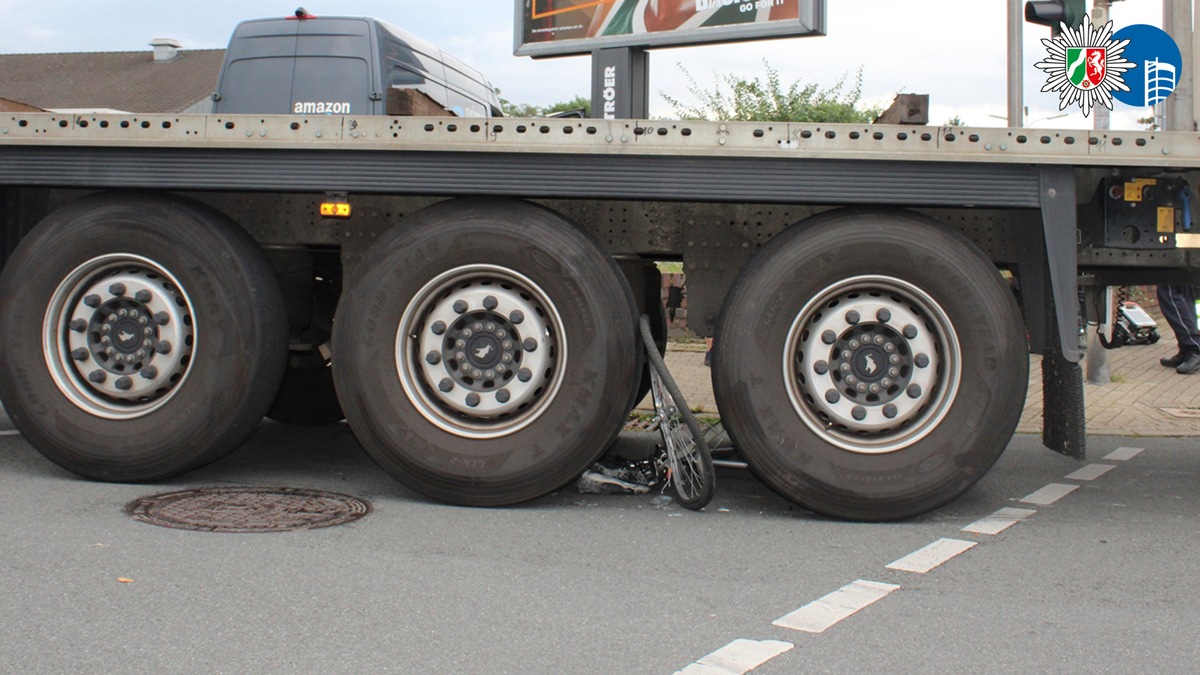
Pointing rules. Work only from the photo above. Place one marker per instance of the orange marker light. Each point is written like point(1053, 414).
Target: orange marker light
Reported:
point(335, 209)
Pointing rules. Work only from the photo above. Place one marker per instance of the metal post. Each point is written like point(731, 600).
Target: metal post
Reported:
point(1097, 370)
point(1016, 23)
point(1177, 21)
point(620, 83)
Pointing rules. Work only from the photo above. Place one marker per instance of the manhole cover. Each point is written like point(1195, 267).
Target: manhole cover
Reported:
point(248, 509)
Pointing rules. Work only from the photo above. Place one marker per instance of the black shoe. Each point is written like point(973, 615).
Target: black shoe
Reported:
point(1190, 364)
point(1173, 361)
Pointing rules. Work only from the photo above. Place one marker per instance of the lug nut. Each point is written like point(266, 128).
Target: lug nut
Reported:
point(489, 374)
point(142, 320)
point(889, 348)
point(884, 315)
point(502, 396)
point(104, 339)
point(851, 380)
point(478, 375)
point(460, 307)
point(853, 317)
point(446, 385)
point(460, 344)
point(477, 327)
point(163, 347)
point(460, 356)
point(149, 372)
point(162, 318)
point(507, 346)
point(500, 368)
point(467, 332)
point(112, 318)
point(92, 301)
point(97, 376)
point(80, 354)
point(914, 391)
point(878, 339)
point(143, 296)
point(889, 411)
point(846, 354)
point(79, 325)
point(874, 388)
point(845, 367)
point(828, 337)
point(910, 331)
point(893, 372)
point(141, 354)
point(524, 375)
point(117, 289)
point(472, 399)
point(886, 382)
point(854, 344)
point(466, 368)
point(516, 316)
point(820, 367)
point(529, 345)
point(506, 358)
point(123, 383)
point(832, 396)
point(433, 358)
point(122, 312)
point(922, 361)
point(862, 388)
point(438, 327)
point(859, 413)
point(490, 302)
point(894, 359)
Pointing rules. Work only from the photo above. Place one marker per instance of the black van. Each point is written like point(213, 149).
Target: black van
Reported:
point(341, 66)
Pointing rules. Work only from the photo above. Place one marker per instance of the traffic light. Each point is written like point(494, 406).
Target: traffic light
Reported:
point(1053, 12)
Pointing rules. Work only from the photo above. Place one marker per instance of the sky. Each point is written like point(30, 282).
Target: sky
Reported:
point(953, 50)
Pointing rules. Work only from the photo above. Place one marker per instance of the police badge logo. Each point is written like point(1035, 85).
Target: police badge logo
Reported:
point(1085, 66)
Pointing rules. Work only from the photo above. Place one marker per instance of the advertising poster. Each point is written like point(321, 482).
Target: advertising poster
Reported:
point(555, 27)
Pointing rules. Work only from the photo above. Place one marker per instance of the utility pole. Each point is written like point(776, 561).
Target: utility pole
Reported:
point(1016, 22)
point(1097, 371)
point(1180, 107)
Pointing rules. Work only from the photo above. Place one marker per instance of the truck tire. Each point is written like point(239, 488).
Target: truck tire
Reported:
point(144, 336)
point(485, 353)
point(870, 365)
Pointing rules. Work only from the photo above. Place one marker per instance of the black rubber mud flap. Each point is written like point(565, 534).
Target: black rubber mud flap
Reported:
point(1063, 426)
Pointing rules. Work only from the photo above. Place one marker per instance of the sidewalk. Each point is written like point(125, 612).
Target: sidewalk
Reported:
point(1144, 398)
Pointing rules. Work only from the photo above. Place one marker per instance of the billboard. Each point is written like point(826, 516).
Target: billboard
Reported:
point(561, 27)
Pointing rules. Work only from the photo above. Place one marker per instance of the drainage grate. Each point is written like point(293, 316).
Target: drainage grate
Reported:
point(248, 509)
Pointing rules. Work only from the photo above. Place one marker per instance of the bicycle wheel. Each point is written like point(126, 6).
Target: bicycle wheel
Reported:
point(691, 466)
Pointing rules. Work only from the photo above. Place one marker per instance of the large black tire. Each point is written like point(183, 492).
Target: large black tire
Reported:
point(539, 386)
point(143, 336)
point(900, 305)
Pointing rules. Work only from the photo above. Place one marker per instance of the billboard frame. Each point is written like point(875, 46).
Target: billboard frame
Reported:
point(804, 26)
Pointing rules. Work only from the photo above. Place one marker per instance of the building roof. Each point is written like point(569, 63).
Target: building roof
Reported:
point(126, 81)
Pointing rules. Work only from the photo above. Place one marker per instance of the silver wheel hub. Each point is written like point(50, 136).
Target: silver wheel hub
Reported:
point(480, 351)
point(119, 336)
point(872, 364)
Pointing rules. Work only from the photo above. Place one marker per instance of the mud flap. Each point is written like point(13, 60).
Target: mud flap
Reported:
point(1063, 416)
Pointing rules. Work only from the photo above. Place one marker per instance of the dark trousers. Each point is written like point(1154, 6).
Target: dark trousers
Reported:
point(1178, 306)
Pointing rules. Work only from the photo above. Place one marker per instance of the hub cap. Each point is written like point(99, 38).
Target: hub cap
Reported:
point(119, 336)
point(872, 364)
point(480, 351)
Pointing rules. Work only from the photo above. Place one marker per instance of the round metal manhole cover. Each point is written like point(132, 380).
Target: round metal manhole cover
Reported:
point(248, 509)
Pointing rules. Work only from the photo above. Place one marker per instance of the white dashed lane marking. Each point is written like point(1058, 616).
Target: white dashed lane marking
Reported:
point(1090, 472)
point(741, 656)
point(737, 657)
point(1123, 454)
point(931, 556)
point(819, 615)
point(999, 521)
point(1049, 494)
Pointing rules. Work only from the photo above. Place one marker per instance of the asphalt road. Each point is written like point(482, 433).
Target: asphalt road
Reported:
point(1097, 581)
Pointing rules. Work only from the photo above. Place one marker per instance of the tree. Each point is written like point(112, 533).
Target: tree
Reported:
point(529, 110)
point(955, 121)
point(768, 100)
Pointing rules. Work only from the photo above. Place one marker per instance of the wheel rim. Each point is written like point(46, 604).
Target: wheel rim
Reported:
point(872, 364)
point(119, 336)
point(481, 351)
